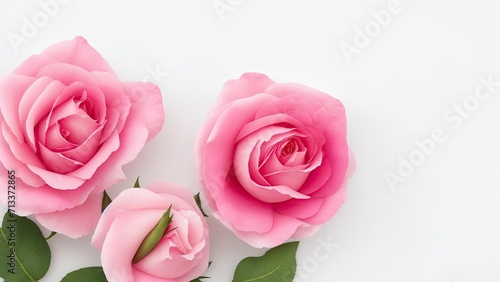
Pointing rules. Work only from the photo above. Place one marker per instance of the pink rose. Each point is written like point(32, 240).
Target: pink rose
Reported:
point(182, 254)
point(272, 158)
point(68, 126)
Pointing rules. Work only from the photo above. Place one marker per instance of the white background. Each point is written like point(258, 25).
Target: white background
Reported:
point(441, 224)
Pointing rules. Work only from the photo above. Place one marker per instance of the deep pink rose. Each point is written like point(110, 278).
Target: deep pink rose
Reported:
point(272, 158)
point(68, 127)
point(181, 255)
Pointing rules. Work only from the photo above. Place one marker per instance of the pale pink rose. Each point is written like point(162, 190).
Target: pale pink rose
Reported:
point(181, 255)
point(68, 127)
point(273, 158)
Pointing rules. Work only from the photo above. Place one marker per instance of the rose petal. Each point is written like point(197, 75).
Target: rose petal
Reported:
point(75, 222)
point(242, 168)
point(86, 152)
point(337, 152)
point(10, 162)
point(67, 74)
point(120, 237)
point(54, 139)
point(314, 97)
point(35, 199)
point(122, 152)
point(237, 207)
point(33, 64)
point(93, 101)
point(46, 102)
point(292, 179)
point(300, 208)
point(266, 121)
point(147, 105)
point(79, 128)
point(283, 228)
point(247, 85)
point(216, 152)
point(115, 99)
point(112, 117)
point(298, 109)
point(182, 193)
point(232, 88)
point(30, 113)
point(12, 89)
point(79, 53)
point(129, 199)
point(175, 256)
point(306, 231)
point(21, 151)
point(142, 276)
point(57, 180)
point(329, 207)
point(57, 162)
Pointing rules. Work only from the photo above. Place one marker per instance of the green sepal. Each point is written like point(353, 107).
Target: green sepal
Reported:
point(154, 236)
point(137, 184)
point(198, 203)
point(106, 200)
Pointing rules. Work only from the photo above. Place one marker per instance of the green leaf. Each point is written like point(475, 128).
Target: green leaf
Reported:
point(106, 200)
point(136, 184)
point(277, 264)
point(22, 244)
point(198, 203)
point(154, 236)
point(94, 274)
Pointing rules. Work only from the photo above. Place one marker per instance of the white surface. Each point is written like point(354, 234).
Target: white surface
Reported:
point(441, 224)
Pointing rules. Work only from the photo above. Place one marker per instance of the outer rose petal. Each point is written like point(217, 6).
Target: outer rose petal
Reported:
point(144, 277)
point(121, 242)
point(74, 222)
point(12, 87)
point(33, 64)
point(247, 85)
point(147, 105)
point(303, 92)
point(78, 52)
point(10, 162)
point(283, 228)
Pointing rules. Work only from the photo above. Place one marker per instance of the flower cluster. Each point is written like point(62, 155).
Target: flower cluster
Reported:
point(272, 160)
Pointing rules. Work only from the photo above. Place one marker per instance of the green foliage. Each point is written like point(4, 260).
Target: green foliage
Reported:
point(277, 264)
point(24, 252)
point(94, 274)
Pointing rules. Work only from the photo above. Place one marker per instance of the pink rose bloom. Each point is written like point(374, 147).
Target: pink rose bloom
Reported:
point(68, 127)
point(272, 158)
point(182, 254)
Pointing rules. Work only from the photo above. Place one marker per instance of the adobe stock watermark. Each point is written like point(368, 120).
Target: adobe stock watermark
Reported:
point(31, 25)
point(321, 253)
point(154, 74)
point(222, 7)
point(453, 117)
point(141, 92)
point(372, 29)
